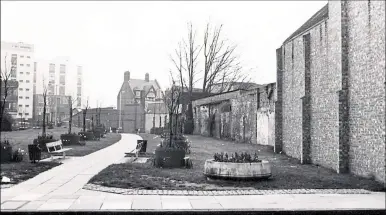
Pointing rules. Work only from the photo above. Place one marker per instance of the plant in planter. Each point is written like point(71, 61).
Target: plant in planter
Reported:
point(6, 151)
point(85, 134)
point(70, 138)
point(237, 166)
point(170, 154)
point(236, 158)
point(44, 138)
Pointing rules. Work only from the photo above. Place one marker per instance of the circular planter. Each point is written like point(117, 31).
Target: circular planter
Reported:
point(228, 170)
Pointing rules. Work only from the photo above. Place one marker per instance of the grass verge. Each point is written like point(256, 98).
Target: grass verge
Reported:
point(287, 173)
point(24, 170)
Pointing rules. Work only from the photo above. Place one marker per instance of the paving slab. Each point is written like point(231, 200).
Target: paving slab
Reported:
point(27, 197)
point(234, 202)
point(175, 203)
point(86, 204)
point(116, 205)
point(32, 206)
point(12, 205)
point(204, 204)
point(56, 204)
point(147, 203)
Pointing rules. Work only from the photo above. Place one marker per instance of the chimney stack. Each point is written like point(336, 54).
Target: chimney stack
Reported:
point(127, 76)
point(147, 77)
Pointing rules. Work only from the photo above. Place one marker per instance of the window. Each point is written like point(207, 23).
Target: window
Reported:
point(20, 97)
point(20, 114)
point(21, 64)
point(52, 67)
point(21, 81)
point(62, 68)
point(21, 56)
point(26, 97)
point(21, 89)
point(35, 66)
point(62, 79)
point(26, 114)
point(13, 65)
point(27, 81)
point(26, 89)
point(28, 65)
point(27, 73)
point(28, 56)
point(26, 105)
point(61, 90)
point(20, 105)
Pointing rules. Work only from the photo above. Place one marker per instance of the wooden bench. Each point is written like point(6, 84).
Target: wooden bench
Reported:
point(56, 148)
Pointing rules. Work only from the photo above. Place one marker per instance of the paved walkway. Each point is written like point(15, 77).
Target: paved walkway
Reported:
point(60, 189)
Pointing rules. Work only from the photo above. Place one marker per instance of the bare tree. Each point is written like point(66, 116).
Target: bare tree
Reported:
point(221, 64)
point(4, 88)
point(71, 102)
point(171, 100)
point(185, 62)
point(84, 116)
point(44, 109)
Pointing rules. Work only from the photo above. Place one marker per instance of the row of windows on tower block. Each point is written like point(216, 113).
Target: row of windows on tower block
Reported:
point(27, 65)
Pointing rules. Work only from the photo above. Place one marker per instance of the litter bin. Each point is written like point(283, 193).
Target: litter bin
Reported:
point(144, 145)
point(35, 154)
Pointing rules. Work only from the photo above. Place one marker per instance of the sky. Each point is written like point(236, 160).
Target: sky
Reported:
point(108, 38)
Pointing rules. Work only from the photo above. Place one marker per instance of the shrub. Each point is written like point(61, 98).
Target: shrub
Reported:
point(6, 151)
point(70, 139)
point(18, 155)
point(236, 158)
point(178, 141)
point(86, 136)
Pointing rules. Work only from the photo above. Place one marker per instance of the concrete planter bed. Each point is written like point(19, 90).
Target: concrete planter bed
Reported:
point(230, 170)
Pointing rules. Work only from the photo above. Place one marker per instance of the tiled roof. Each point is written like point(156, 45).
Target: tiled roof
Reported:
point(142, 84)
point(317, 17)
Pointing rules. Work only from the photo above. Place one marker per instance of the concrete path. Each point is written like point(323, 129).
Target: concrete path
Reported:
point(60, 189)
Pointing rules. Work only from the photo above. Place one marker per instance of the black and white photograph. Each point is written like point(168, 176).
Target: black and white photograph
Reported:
point(193, 107)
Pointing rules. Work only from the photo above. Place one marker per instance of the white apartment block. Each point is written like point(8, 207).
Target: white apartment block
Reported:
point(60, 76)
point(18, 58)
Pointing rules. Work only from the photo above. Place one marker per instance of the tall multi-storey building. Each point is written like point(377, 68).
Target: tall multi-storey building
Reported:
point(79, 87)
point(18, 59)
point(61, 77)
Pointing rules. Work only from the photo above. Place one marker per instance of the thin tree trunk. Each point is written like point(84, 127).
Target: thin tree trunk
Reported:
point(44, 118)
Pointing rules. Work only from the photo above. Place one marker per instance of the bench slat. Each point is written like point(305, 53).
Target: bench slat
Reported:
point(60, 151)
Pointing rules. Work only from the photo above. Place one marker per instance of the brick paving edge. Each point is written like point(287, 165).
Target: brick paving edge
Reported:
point(124, 191)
